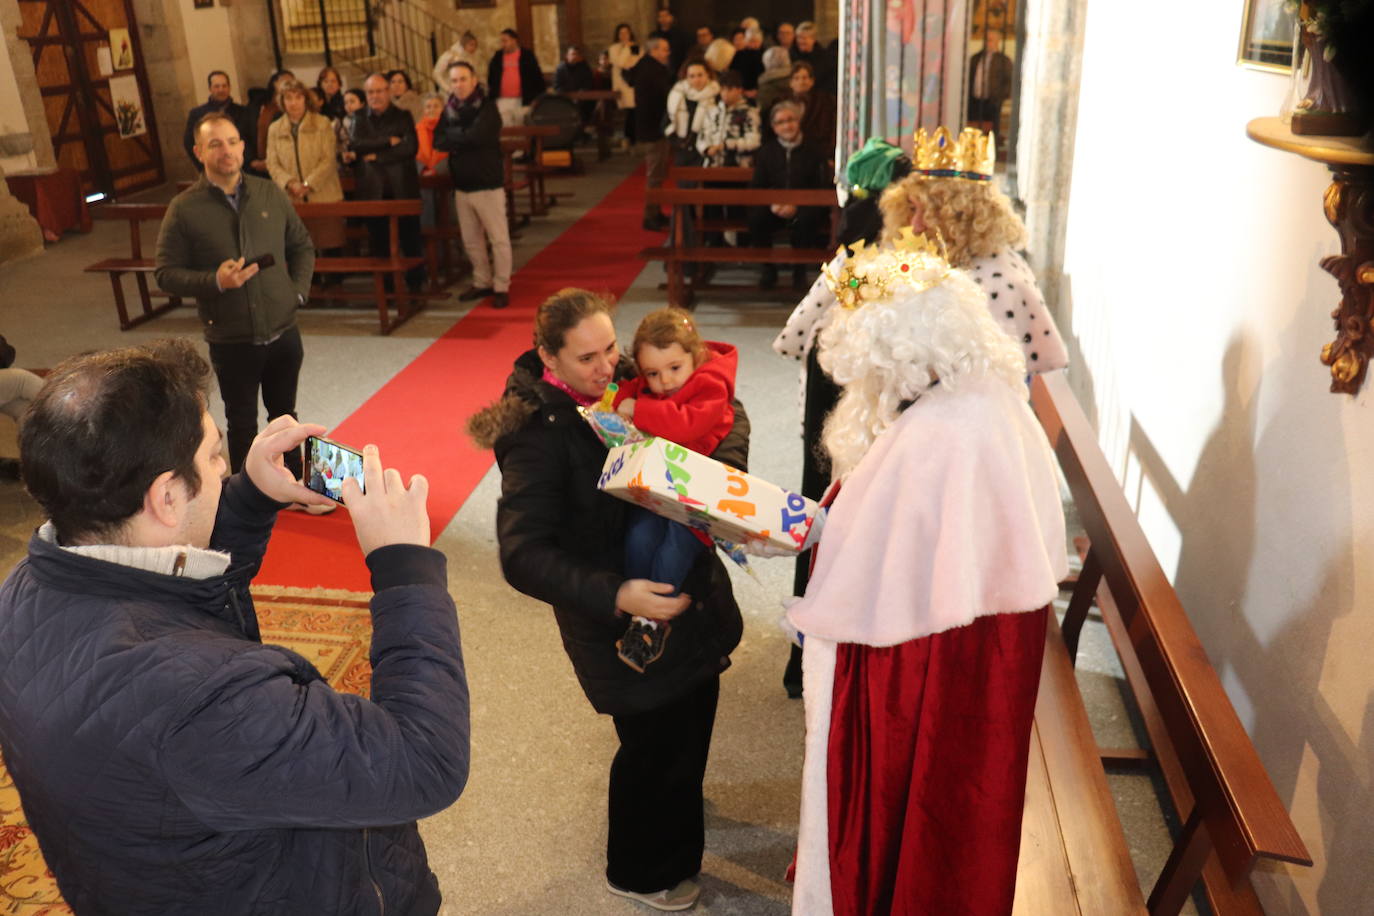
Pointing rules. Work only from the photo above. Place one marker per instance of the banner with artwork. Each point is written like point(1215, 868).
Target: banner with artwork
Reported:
point(128, 106)
point(902, 67)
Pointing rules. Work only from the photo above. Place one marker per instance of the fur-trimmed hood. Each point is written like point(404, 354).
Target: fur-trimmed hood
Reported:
point(525, 393)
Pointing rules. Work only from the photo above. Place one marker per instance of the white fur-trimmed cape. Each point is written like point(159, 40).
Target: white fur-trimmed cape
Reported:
point(952, 514)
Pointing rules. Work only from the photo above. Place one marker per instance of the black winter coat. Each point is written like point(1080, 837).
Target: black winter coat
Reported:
point(652, 82)
point(170, 763)
point(393, 176)
point(531, 76)
point(562, 541)
point(471, 135)
point(775, 166)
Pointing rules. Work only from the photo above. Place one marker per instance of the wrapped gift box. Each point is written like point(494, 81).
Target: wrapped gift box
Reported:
point(688, 487)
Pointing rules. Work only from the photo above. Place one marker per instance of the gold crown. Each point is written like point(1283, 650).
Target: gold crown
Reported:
point(973, 156)
point(912, 264)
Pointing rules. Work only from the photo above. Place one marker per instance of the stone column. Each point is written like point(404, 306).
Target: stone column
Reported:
point(19, 232)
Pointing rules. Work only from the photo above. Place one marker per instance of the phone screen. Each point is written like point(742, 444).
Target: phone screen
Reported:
point(328, 463)
point(263, 261)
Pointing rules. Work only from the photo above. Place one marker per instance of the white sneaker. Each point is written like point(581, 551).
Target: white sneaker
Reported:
point(682, 896)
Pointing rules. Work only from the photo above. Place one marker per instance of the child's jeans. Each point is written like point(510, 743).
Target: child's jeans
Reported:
point(658, 549)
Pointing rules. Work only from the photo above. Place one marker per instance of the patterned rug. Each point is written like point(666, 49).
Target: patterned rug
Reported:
point(331, 628)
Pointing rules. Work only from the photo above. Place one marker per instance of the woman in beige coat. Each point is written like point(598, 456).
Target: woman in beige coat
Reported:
point(301, 158)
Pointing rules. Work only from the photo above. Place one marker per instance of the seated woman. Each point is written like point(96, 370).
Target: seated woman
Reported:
point(818, 107)
point(788, 161)
point(562, 541)
point(925, 617)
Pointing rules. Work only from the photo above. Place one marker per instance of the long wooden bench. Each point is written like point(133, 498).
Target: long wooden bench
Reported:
point(680, 176)
point(1074, 858)
point(681, 288)
point(136, 264)
point(381, 269)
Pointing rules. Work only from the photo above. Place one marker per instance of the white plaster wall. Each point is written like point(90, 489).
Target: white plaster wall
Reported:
point(209, 47)
point(1194, 300)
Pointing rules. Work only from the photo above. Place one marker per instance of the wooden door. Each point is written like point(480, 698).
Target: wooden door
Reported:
point(83, 87)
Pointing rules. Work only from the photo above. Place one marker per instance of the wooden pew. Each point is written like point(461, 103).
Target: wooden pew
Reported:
point(603, 116)
point(136, 263)
point(706, 176)
point(682, 290)
point(528, 139)
point(379, 268)
point(1073, 855)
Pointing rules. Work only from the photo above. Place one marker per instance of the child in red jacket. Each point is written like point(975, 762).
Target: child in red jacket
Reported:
point(683, 394)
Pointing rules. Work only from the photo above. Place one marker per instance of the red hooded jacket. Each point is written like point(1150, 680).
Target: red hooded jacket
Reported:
point(698, 415)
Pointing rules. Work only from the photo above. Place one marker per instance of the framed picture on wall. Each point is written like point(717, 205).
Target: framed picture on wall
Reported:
point(1266, 36)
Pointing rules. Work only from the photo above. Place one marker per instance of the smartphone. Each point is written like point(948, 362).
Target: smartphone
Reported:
point(634, 49)
point(328, 464)
point(263, 261)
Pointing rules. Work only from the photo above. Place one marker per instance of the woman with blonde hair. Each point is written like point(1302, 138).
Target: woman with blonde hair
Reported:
point(302, 150)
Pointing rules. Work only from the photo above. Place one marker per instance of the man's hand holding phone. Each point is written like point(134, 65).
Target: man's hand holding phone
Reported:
point(388, 512)
point(265, 467)
point(234, 273)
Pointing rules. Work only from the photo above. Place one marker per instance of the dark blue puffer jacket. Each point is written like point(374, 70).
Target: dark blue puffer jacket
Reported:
point(170, 763)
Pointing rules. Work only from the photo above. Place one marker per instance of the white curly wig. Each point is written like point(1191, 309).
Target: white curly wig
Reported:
point(887, 353)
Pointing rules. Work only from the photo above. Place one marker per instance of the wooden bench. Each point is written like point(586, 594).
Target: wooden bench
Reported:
point(379, 268)
point(603, 116)
point(529, 140)
point(138, 265)
point(707, 176)
point(1074, 858)
point(676, 254)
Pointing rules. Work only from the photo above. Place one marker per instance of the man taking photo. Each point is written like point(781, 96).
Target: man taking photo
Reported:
point(168, 761)
point(210, 237)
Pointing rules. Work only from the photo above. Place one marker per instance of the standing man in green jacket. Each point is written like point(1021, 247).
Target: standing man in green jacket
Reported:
point(210, 238)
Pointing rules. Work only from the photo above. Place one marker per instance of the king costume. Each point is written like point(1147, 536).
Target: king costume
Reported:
point(925, 617)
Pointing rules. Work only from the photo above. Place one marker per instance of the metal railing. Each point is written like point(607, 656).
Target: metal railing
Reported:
point(369, 34)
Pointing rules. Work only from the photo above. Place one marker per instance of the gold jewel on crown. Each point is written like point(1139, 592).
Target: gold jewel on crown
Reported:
point(973, 156)
point(911, 264)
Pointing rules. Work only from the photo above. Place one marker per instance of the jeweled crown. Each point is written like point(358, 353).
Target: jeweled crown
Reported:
point(911, 264)
point(973, 156)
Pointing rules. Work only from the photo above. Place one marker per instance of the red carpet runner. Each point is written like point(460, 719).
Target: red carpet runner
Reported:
point(417, 419)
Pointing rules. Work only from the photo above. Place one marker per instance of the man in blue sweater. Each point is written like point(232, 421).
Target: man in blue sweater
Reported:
point(168, 761)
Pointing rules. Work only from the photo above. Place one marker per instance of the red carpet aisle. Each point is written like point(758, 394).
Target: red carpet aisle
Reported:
point(417, 418)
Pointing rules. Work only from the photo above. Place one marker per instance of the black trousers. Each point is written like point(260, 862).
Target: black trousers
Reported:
point(379, 246)
point(804, 230)
point(243, 368)
point(657, 821)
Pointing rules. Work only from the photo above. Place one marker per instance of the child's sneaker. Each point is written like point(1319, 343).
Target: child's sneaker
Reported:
point(642, 643)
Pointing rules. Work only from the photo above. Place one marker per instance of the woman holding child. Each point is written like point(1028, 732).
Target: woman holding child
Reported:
point(562, 541)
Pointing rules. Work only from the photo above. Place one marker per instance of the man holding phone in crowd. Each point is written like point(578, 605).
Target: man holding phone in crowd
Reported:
point(234, 243)
point(167, 760)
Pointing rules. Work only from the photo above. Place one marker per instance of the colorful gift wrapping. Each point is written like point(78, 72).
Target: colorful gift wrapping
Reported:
point(687, 487)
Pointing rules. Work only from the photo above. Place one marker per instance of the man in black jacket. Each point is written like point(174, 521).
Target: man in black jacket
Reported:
point(652, 82)
point(383, 137)
point(989, 82)
point(514, 78)
point(168, 761)
point(470, 132)
point(221, 99)
point(787, 161)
